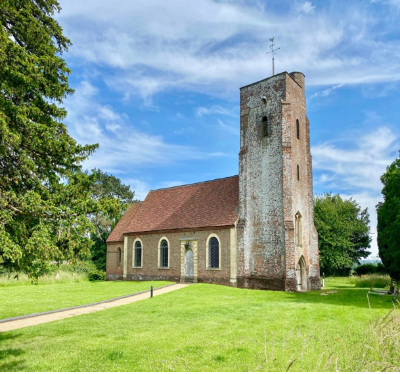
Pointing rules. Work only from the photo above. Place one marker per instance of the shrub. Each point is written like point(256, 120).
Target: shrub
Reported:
point(370, 269)
point(375, 281)
point(365, 269)
point(380, 269)
point(78, 267)
point(95, 275)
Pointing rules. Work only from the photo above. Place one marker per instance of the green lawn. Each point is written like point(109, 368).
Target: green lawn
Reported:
point(28, 299)
point(212, 328)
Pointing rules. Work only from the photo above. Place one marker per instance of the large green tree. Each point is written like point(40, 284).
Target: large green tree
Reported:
point(389, 220)
point(343, 233)
point(44, 197)
point(110, 187)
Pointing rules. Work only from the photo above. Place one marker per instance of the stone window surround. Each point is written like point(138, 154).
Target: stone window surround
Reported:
point(159, 254)
point(213, 235)
point(133, 254)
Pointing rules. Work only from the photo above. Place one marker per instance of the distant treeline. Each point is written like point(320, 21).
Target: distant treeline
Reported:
point(370, 268)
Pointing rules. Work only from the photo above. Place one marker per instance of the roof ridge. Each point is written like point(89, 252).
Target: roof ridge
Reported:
point(192, 184)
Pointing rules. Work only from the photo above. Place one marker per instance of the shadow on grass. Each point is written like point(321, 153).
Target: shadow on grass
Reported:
point(356, 297)
point(343, 297)
point(9, 358)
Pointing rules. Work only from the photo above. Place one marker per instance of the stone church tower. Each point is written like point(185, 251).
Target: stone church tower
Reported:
point(277, 244)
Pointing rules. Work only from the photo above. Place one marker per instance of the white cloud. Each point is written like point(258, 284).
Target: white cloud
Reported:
point(167, 184)
point(141, 189)
point(120, 143)
point(354, 170)
point(216, 46)
point(361, 165)
point(232, 129)
point(108, 114)
point(306, 7)
point(395, 3)
point(215, 109)
point(326, 92)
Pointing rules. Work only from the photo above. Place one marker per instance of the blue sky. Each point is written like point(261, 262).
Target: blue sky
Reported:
point(157, 86)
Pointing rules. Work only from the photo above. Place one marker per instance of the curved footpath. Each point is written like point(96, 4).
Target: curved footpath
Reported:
point(37, 319)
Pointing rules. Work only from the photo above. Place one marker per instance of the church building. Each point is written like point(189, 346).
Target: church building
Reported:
point(252, 230)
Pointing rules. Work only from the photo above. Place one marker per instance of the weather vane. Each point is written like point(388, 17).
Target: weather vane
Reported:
point(273, 54)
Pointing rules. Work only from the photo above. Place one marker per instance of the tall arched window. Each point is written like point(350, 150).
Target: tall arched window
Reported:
point(298, 129)
point(298, 230)
point(213, 253)
point(164, 254)
point(119, 255)
point(265, 127)
point(138, 254)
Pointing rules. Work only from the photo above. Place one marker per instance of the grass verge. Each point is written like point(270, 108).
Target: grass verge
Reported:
point(27, 299)
point(56, 278)
point(215, 328)
point(373, 280)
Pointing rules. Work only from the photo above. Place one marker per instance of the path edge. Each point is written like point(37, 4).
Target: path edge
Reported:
point(82, 306)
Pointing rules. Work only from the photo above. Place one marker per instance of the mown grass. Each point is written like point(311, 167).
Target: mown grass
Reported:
point(25, 299)
point(215, 328)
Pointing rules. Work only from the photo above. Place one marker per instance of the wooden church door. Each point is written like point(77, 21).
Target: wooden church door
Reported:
point(189, 264)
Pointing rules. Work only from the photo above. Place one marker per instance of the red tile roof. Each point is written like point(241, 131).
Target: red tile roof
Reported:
point(206, 204)
point(117, 235)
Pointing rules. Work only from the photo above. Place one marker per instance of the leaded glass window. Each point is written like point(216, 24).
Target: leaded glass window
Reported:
point(213, 253)
point(119, 255)
point(138, 253)
point(164, 254)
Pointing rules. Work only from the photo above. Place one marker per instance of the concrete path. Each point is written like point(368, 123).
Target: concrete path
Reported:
point(77, 311)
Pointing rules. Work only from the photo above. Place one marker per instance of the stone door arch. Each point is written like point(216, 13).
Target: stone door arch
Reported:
point(301, 274)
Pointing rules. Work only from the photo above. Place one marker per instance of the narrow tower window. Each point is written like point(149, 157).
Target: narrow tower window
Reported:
point(119, 255)
point(298, 129)
point(298, 230)
point(265, 129)
point(298, 172)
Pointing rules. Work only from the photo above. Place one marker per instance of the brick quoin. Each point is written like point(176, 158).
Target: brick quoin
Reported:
point(253, 215)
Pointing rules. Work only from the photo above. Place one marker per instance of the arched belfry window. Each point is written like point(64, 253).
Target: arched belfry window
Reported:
point(137, 254)
point(213, 250)
point(265, 127)
point(298, 129)
point(298, 235)
point(164, 254)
